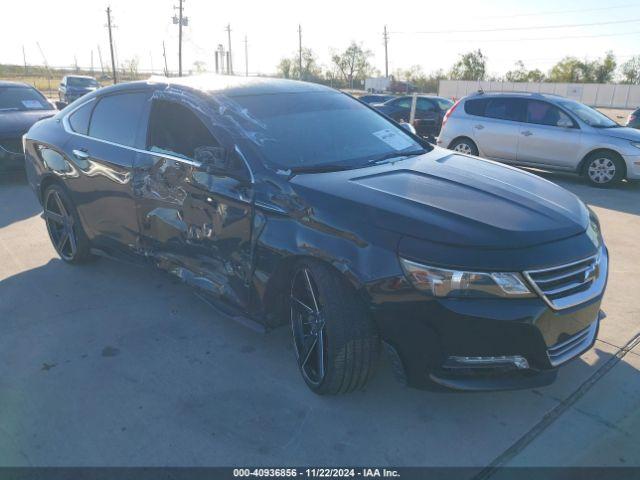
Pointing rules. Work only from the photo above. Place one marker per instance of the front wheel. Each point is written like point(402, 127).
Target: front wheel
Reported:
point(336, 342)
point(604, 169)
point(65, 231)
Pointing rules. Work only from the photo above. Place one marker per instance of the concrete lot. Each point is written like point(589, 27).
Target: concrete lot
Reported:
point(110, 364)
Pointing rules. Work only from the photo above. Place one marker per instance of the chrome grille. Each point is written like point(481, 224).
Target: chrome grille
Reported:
point(13, 145)
point(571, 284)
point(575, 345)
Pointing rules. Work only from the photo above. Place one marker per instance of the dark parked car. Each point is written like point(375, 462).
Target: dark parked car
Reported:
point(21, 106)
point(291, 203)
point(376, 98)
point(429, 112)
point(73, 87)
point(634, 119)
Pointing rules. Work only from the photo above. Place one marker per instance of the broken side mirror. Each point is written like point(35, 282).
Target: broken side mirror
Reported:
point(218, 161)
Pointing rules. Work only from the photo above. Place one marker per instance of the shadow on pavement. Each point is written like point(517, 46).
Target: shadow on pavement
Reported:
point(17, 201)
point(114, 364)
point(624, 197)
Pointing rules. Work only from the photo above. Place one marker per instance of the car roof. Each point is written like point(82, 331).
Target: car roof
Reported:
point(237, 85)
point(547, 96)
point(80, 76)
point(6, 83)
point(423, 95)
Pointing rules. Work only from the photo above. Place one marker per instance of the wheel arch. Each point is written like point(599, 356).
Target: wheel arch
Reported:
point(46, 182)
point(583, 163)
point(274, 299)
point(461, 137)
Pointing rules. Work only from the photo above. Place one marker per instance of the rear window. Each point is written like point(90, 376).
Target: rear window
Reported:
point(116, 118)
point(475, 107)
point(504, 109)
point(79, 120)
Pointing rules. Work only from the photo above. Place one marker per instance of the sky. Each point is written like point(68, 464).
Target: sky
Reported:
point(426, 33)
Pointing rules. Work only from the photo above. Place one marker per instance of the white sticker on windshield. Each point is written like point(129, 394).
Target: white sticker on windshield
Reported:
point(391, 138)
point(31, 104)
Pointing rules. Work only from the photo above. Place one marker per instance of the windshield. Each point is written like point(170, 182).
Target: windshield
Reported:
point(588, 115)
point(22, 98)
point(81, 82)
point(308, 130)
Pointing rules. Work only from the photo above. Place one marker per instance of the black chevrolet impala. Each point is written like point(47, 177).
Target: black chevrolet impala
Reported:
point(285, 202)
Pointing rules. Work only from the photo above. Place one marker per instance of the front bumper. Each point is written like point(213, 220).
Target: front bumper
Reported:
point(481, 344)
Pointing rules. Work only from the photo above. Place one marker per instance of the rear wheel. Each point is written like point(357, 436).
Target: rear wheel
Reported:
point(604, 169)
point(464, 145)
point(336, 342)
point(63, 225)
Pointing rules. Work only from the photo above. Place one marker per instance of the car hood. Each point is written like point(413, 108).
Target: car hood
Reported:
point(457, 200)
point(625, 133)
point(17, 123)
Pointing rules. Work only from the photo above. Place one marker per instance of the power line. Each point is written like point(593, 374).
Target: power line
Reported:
point(536, 39)
point(556, 12)
point(510, 29)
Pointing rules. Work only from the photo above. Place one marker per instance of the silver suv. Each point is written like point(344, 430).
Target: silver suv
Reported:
point(544, 131)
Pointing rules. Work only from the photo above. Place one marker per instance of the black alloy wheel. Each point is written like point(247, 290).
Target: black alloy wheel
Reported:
point(64, 229)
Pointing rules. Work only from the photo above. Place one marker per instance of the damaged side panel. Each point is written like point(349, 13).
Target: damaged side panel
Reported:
point(194, 223)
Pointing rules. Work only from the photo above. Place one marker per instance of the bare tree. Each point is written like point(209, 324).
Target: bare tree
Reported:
point(353, 63)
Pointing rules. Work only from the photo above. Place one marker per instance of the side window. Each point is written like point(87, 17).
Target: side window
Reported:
point(116, 118)
point(425, 105)
point(403, 103)
point(543, 113)
point(176, 130)
point(476, 106)
point(79, 120)
point(504, 109)
point(444, 104)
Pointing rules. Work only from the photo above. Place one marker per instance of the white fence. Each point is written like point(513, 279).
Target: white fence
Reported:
point(604, 95)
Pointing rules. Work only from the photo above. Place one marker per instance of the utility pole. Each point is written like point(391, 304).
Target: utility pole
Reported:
point(46, 65)
point(164, 54)
point(113, 58)
point(24, 57)
point(100, 58)
point(385, 35)
point(230, 60)
point(181, 21)
point(246, 57)
point(300, 51)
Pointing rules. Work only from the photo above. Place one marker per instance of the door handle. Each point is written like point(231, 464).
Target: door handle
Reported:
point(527, 133)
point(80, 154)
point(479, 127)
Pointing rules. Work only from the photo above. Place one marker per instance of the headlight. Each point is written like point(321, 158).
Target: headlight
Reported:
point(441, 282)
point(636, 144)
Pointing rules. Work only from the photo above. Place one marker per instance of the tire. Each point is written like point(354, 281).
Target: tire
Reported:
point(604, 169)
point(464, 145)
point(322, 301)
point(64, 227)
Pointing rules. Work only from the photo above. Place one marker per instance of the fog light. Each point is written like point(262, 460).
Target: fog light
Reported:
point(516, 361)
